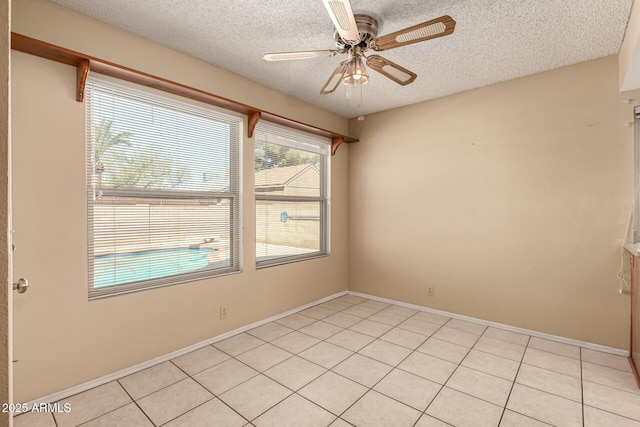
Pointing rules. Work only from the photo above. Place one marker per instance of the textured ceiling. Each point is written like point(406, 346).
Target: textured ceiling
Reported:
point(494, 40)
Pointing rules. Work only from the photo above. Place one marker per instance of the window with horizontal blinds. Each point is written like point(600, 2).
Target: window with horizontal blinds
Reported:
point(163, 193)
point(292, 194)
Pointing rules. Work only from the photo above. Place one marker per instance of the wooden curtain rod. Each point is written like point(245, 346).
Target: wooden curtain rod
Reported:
point(85, 64)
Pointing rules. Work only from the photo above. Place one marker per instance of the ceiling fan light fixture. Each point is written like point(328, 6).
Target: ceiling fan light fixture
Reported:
point(356, 73)
point(357, 34)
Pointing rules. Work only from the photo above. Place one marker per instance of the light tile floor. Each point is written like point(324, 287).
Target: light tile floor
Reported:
point(358, 362)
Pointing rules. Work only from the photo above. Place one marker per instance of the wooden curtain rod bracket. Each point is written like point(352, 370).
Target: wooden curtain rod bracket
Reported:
point(335, 143)
point(85, 64)
point(254, 118)
point(81, 78)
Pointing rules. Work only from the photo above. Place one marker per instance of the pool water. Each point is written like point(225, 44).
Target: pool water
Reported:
point(117, 269)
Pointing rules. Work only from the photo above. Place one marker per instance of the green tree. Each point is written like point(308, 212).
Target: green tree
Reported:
point(146, 169)
point(104, 139)
point(269, 156)
point(119, 164)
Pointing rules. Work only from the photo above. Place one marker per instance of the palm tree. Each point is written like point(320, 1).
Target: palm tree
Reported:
point(144, 168)
point(103, 139)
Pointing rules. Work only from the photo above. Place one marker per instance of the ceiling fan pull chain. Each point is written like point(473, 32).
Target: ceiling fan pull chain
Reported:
point(360, 106)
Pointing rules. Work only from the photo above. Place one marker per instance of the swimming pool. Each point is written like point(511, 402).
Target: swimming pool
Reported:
point(116, 269)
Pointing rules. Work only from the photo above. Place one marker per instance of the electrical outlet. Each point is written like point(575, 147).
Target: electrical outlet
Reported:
point(224, 312)
point(431, 291)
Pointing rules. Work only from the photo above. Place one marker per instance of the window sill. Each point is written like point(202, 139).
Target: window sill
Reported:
point(289, 260)
point(633, 248)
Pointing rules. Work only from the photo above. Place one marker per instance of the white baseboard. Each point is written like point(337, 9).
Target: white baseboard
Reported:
point(591, 346)
point(63, 394)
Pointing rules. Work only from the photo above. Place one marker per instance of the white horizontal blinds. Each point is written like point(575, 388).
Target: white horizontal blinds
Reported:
point(291, 194)
point(162, 189)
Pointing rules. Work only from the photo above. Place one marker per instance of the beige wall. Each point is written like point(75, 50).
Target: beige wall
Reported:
point(511, 200)
point(61, 339)
point(5, 217)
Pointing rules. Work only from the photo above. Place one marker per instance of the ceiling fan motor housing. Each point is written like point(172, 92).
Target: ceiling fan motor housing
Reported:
point(368, 29)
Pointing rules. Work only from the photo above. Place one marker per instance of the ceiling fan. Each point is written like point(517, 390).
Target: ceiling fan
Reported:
point(357, 34)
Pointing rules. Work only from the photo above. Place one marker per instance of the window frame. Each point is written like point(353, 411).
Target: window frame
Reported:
point(636, 175)
point(324, 197)
point(234, 194)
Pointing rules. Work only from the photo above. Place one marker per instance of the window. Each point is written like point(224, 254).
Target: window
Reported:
point(291, 187)
point(162, 189)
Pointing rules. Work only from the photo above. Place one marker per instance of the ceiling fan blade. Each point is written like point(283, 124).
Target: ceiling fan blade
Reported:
point(342, 16)
point(335, 79)
point(438, 27)
point(391, 70)
point(286, 56)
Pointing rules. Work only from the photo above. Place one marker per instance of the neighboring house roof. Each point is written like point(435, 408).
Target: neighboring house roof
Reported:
point(278, 178)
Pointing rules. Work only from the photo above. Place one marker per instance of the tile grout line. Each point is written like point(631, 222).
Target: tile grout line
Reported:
point(482, 372)
point(608, 367)
point(353, 352)
point(357, 352)
point(380, 380)
point(581, 387)
point(184, 413)
point(619, 388)
point(202, 385)
point(318, 405)
point(339, 416)
point(424, 412)
point(636, 420)
point(513, 383)
point(615, 389)
point(439, 391)
point(217, 396)
point(485, 373)
point(134, 402)
point(108, 412)
point(545, 391)
point(521, 362)
point(476, 370)
point(277, 382)
point(556, 373)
